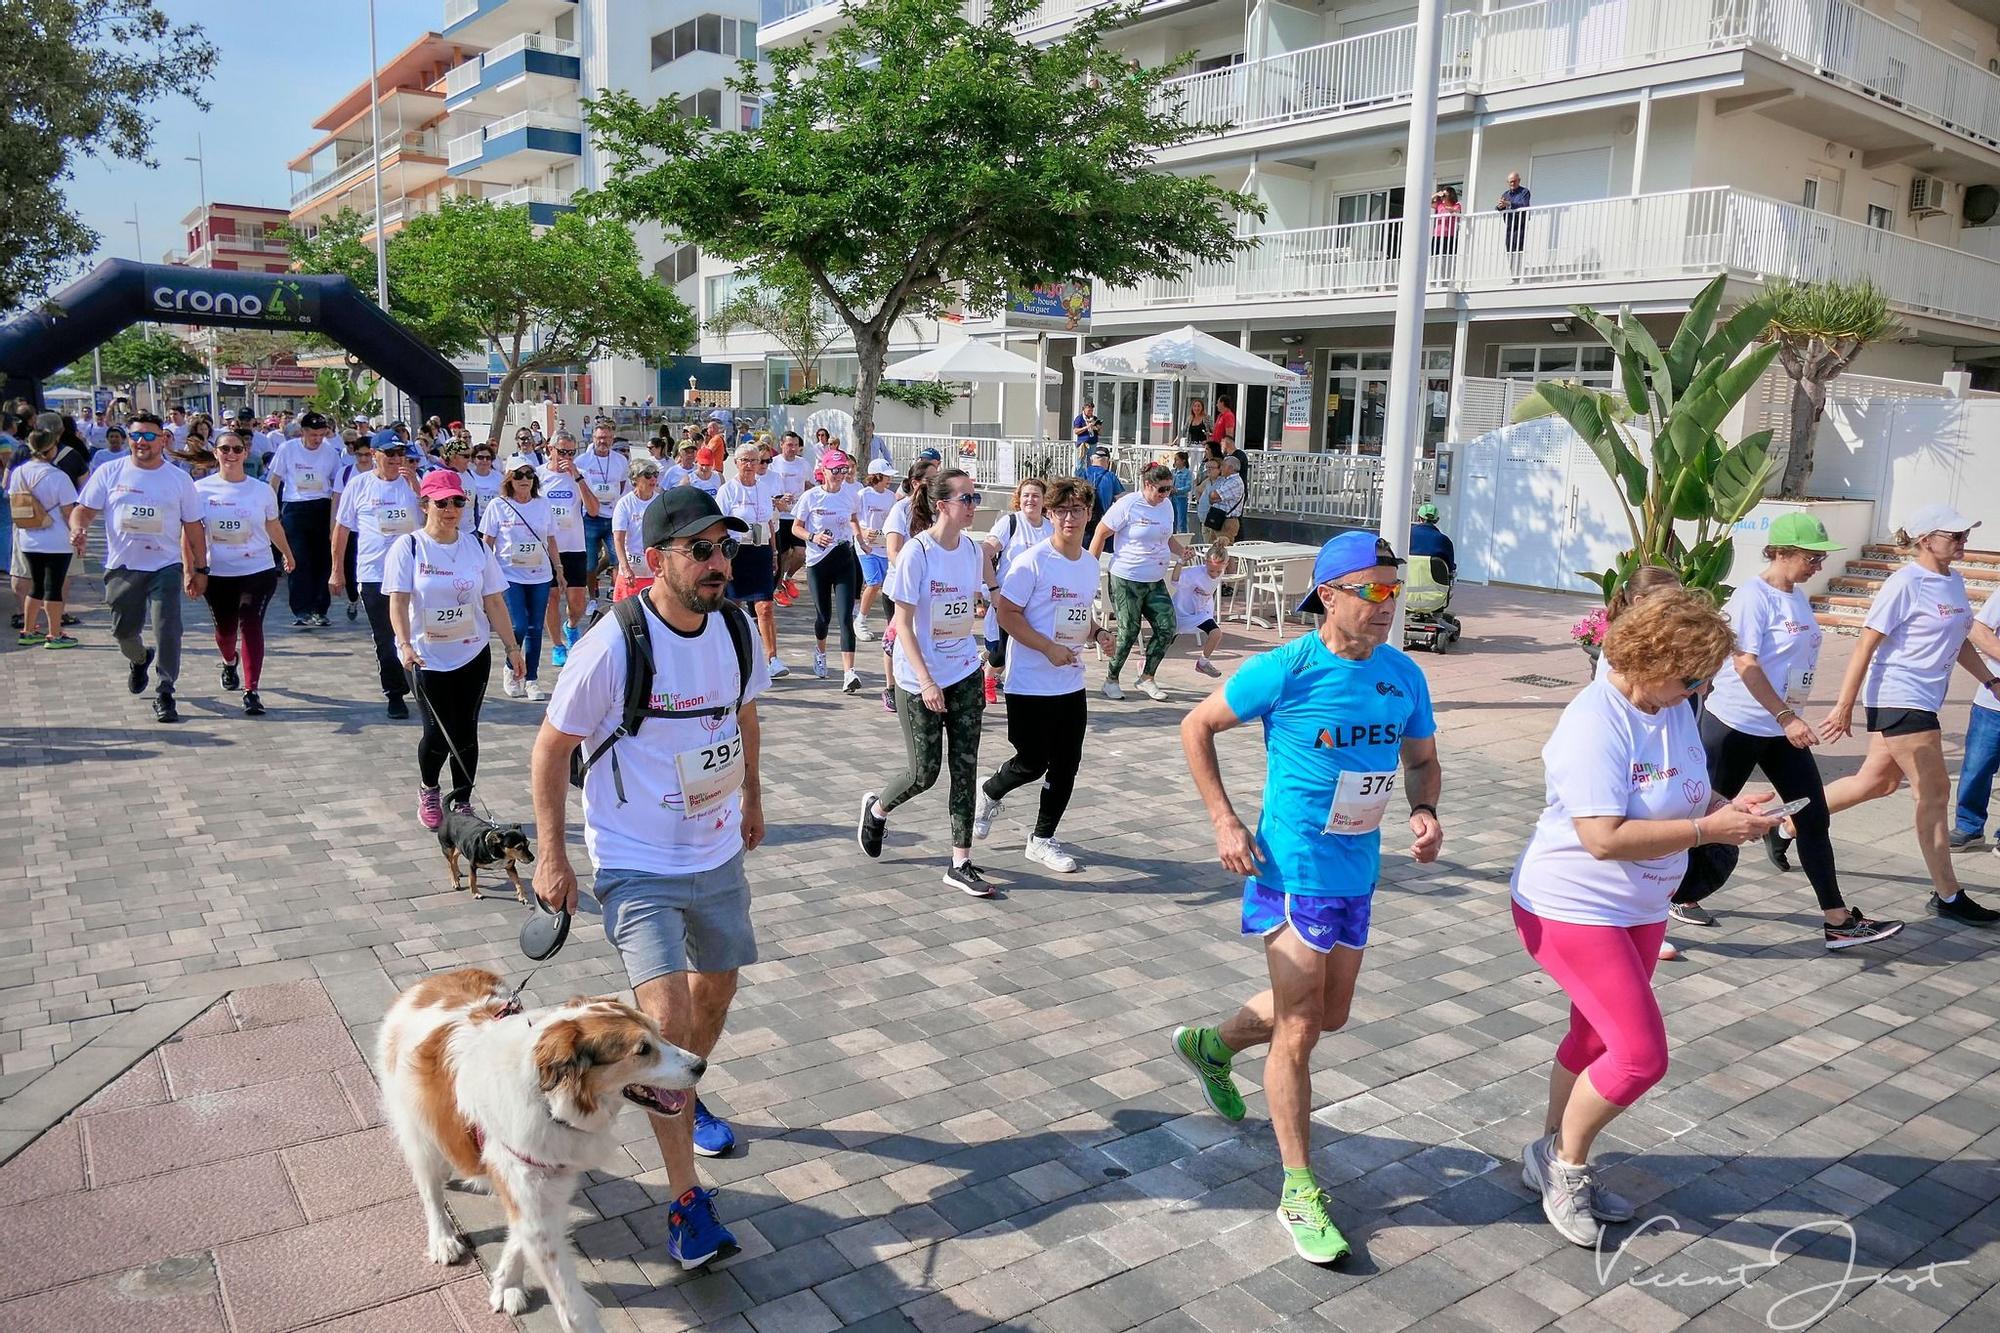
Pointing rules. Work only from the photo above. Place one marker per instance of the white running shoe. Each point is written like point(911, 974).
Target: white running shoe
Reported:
point(1151, 689)
point(862, 632)
point(819, 663)
point(778, 668)
point(1050, 853)
point(982, 815)
point(535, 694)
point(851, 683)
point(510, 686)
point(1111, 688)
point(1206, 667)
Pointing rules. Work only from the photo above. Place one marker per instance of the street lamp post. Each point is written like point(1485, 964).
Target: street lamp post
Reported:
point(1403, 434)
point(139, 246)
point(208, 239)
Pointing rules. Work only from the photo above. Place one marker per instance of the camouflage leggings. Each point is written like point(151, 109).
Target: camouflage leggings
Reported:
point(1134, 600)
point(924, 735)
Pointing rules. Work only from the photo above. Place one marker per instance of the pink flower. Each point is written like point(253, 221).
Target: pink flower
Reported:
point(1590, 629)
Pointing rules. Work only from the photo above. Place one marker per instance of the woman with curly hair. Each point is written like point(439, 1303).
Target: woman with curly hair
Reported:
point(1628, 798)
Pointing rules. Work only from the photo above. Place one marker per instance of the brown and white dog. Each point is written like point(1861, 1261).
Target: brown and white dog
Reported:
point(476, 1089)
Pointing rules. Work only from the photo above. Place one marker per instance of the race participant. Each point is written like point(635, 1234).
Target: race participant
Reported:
point(519, 528)
point(896, 532)
point(40, 497)
point(358, 461)
point(444, 588)
point(1143, 523)
point(824, 519)
point(375, 510)
point(1917, 627)
point(668, 816)
point(628, 542)
point(240, 516)
point(790, 476)
point(1750, 720)
point(302, 472)
point(752, 573)
point(1044, 607)
point(152, 532)
point(1341, 711)
point(1194, 605)
point(707, 474)
point(877, 498)
point(683, 467)
point(481, 482)
point(1627, 800)
point(934, 581)
point(1019, 528)
point(570, 503)
point(607, 476)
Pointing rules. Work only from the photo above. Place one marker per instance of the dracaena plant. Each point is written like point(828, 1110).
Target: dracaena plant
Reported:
point(1656, 435)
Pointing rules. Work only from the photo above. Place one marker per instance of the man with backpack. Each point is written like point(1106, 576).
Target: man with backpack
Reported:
point(667, 817)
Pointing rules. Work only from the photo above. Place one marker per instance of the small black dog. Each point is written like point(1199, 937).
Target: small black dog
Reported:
point(464, 834)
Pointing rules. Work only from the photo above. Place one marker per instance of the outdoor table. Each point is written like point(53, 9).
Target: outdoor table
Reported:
point(1251, 558)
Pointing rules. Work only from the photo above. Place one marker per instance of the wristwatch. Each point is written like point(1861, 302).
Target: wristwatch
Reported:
point(1424, 807)
point(201, 569)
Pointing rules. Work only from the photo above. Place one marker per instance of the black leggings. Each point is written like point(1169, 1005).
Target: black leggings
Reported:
point(238, 603)
point(836, 583)
point(924, 736)
point(388, 663)
point(1046, 731)
point(1732, 755)
point(450, 702)
point(46, 572)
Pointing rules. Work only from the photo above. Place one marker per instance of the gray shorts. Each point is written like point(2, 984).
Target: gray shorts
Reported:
point(17, 559)
point(663, 924)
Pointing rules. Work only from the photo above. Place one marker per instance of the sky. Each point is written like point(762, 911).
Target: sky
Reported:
point(280, 64)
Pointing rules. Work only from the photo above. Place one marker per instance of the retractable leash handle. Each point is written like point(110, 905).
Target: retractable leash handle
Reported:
point(544, 932)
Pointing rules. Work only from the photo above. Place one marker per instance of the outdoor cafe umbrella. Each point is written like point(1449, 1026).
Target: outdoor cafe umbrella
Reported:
point(973, 362)
point(1182, 354)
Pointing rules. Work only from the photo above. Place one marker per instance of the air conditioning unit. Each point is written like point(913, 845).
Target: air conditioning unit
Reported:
point(1926, 196)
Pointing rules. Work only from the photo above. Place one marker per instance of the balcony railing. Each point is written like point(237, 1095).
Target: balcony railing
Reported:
point(462, 79)
point(535, 119)
point(465, 148)
point(457, 10)
point(408, 141)
point(532, 41)
point(1682, 234)
point(777, 11)
point(534, 194)
point(1546, 40)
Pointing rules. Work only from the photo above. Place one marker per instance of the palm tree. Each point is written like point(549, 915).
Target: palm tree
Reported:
point(1819, 328)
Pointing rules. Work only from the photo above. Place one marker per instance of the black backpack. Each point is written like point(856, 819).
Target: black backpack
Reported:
point(631, 617)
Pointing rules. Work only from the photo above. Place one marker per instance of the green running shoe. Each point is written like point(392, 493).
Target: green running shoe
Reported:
point(1216, 1083)
point(1314, 1236)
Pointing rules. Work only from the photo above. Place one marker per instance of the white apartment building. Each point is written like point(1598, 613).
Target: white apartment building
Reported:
point(518, 133)
point(1663, 142)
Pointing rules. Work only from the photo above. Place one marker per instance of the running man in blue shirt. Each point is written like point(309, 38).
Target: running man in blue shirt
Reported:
point(1342, 712)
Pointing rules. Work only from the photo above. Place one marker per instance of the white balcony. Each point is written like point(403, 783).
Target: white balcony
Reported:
point(532, 41)
point(407, 141)
point(1686, 234)
point(534, 119)
point(462, 79)
point(533, 194)
point(458, 10)
point(465, 148)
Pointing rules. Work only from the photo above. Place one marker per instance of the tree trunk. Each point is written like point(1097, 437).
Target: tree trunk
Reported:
point(501, 398)
point(872, 348)
point(1808, 405)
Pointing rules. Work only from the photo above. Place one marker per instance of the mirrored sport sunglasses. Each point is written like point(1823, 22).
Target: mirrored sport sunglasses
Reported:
point(969, 498)
point(146, 435)
point(1374, 593)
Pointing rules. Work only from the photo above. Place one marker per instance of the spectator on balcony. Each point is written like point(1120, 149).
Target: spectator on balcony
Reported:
point(1514, 201)
point(1445, 210)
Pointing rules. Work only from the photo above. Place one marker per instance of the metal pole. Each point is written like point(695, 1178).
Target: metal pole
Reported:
point(1402, 446)
point(375, 149)
point(139, 244)
point(1041, 390)
point(208, 239)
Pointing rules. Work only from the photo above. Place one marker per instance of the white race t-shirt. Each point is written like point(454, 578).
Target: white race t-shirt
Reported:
point(1015, 536)
point(1194, 597)
point(306, 474)
point(1989, 616)
point(143, 510)
point(1054, 594)
point(53, 489)
point(628, 534)
point(520, 533)
point(939, 587)
point(1606, 757)
point(750, 503)
point(377, 512)
point(482, 488)
point(831, 512)
point(898, 521)
point(1779, 627)
point(1142, 530)
point(447, 586)
point(710, 483)
point(566, 511)
point(790, 476)
point(1924, 618)
point(608, 477)
point(872, 509)
point(668, 757)
point(234, 514)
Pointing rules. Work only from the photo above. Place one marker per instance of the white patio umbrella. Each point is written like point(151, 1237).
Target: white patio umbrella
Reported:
point(971, 362)
point(1184, 353)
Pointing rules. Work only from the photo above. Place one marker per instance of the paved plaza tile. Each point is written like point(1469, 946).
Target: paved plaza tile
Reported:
point(954, 1114)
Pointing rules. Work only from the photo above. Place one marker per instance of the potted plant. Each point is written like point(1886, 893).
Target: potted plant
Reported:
point(1589, 632)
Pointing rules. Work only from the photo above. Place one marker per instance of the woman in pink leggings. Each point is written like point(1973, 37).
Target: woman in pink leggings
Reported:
point(1628, 796)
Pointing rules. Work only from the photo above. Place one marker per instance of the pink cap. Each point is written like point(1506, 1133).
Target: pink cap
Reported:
point(834, 458)
point(440, 484)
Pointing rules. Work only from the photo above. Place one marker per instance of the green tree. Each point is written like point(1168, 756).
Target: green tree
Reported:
point(1818, 329)
point(345, 395)
point(80, 76)
point(340, 246)
point(134, 353)
point(542, 298)
point(1683, 472)
point(922, 159)
point(784, 305)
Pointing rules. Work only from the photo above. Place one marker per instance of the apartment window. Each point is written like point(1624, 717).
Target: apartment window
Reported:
point(678, 266)
point(785, 377)
point(713, 33)
point(749, 113)
point(704, 105)
point(1558, 361)
point(1881, 218)
point(1208, 63)
point(1810, 195)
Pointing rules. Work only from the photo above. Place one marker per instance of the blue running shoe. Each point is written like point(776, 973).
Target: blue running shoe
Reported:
point(712, 1136)
point(559, 655)
point(571, 633)
point(694, 1235)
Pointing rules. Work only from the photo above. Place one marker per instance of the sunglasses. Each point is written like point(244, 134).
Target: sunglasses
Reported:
point(702, 551)
point(230, 449)
point(1960, 537)
point(1690, 684)
point(482, 458)
point(1372, 593)
point(146, 435)
point(565, 453)
point(522, 474)
point(449, 502)
point(969, 498)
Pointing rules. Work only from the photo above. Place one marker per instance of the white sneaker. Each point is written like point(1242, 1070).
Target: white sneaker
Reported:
point(510, 686)
point(1111, 689)
point(590, 608)
point(1050, 853)
point(862, 632)
point(851, 683)
point(778, 668)
point(1151, 689)
point(982, 815)
point(535, 693)
point(1206, 667)
point(819, 663)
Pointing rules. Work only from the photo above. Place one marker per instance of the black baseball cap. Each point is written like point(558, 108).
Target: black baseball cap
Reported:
point(682, 511)
point(314, 421)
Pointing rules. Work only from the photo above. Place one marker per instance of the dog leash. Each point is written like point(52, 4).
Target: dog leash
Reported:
point(415, 677)
point(513, 1005)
